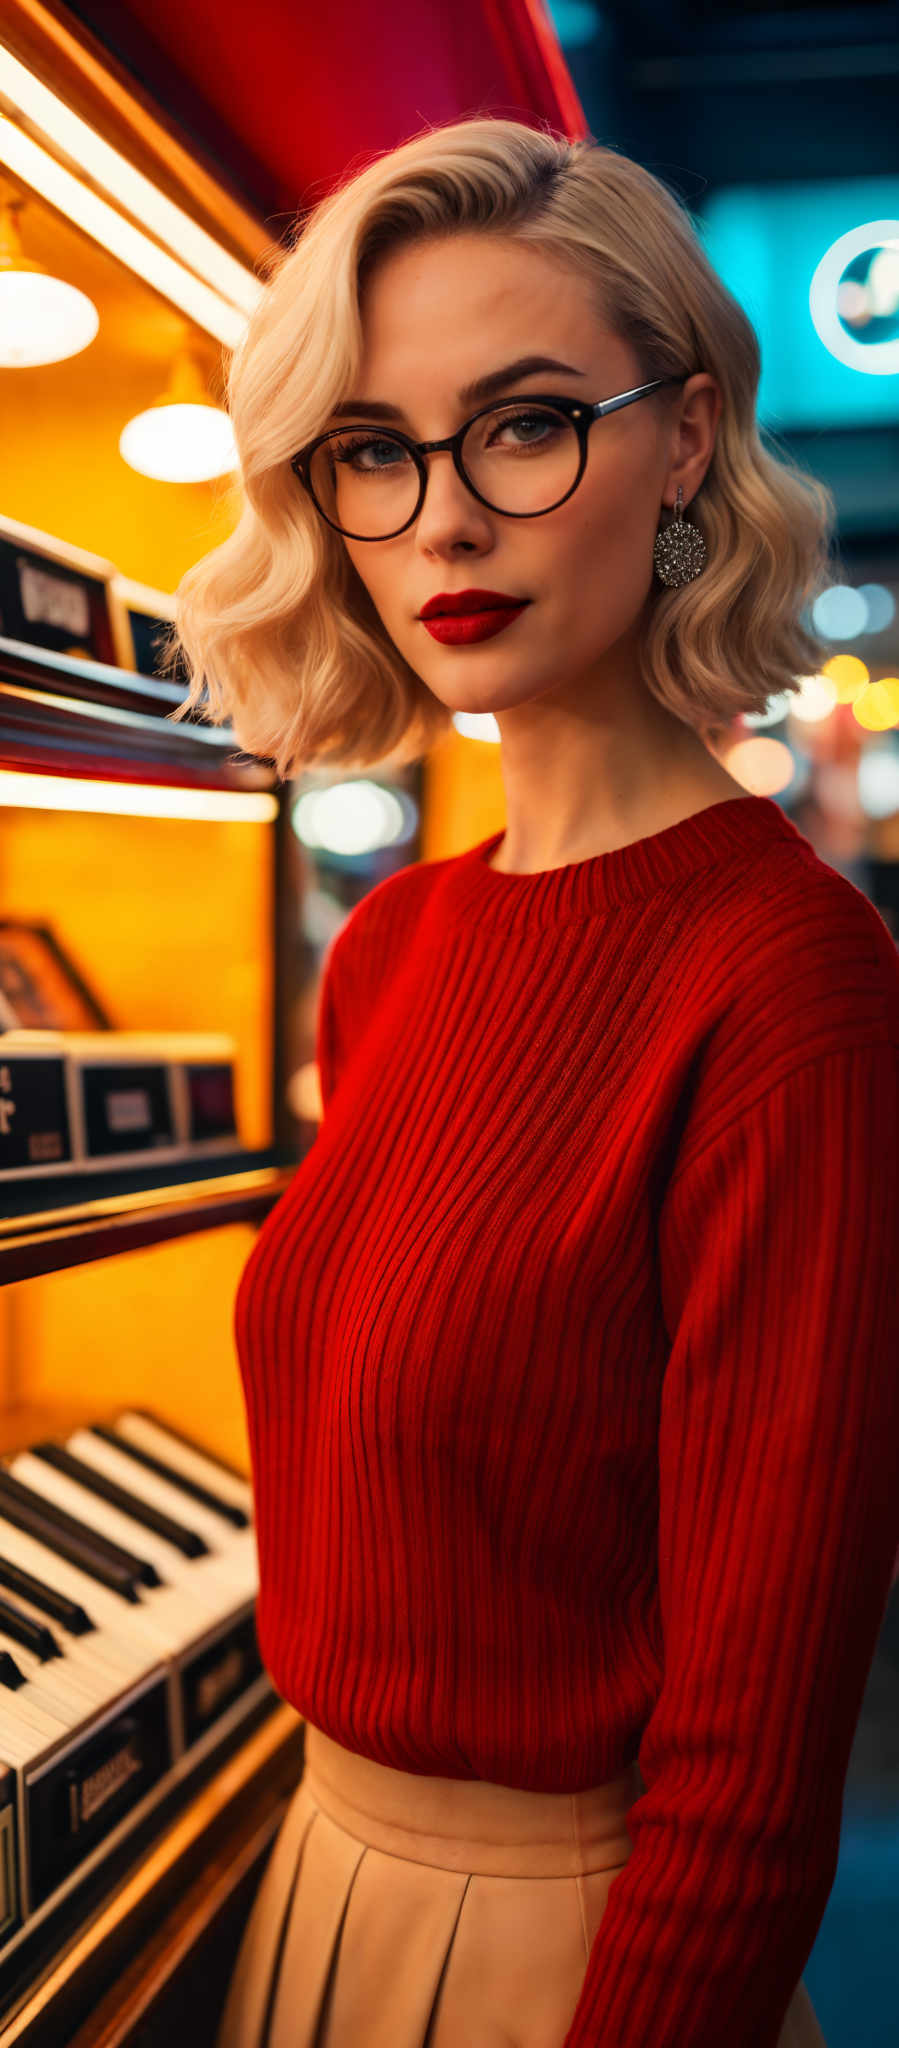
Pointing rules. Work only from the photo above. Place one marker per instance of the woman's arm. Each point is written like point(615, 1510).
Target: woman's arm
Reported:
point(778, 1532)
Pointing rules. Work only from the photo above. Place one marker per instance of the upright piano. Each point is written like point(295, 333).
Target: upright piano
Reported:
point(145, 1757)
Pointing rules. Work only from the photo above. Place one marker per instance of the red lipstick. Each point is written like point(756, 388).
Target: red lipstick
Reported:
point(468, 601)
point(468, 626)
point(459, 616)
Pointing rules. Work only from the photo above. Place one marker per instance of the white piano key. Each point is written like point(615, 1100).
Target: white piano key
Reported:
point(237, 1546)
point(40, 1690)
point(155, 1438)
point(141, 1633)
point(81, 1691)
point(18, 1745)
point(29, 1711)
point(90, 1654)
point(194, 1587)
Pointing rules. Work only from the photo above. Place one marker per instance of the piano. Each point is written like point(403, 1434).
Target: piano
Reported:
point(129, 1675)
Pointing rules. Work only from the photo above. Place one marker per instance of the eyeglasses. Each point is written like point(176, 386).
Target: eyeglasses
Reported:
point(370, 485)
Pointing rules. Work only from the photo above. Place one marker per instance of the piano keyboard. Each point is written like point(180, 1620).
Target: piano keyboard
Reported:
point(128, 1653)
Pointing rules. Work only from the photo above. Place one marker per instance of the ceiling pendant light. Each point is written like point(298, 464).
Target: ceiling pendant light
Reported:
point(42, 319)
point(184, 437)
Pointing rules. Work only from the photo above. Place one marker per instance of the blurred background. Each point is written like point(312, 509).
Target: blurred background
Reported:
point(153, 880)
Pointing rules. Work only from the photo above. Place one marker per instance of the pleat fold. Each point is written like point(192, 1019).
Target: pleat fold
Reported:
point(398, 1930)
point(243, 2021)
point(325, 1877)
point(515, 1967)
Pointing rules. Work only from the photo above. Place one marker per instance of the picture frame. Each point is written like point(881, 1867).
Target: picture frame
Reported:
point(56, 595)
point(141, 617)
point(40, 987)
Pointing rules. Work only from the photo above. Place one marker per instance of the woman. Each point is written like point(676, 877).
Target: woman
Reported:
point(569, 1354)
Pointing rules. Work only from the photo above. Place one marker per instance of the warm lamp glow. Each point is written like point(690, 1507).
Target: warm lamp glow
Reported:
point(23, 791)
point(42, 319)
point(179, 444)
point(183, 438)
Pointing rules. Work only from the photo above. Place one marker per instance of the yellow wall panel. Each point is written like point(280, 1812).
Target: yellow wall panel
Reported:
point(152, 1328)
point(464, 799)
point(170, 920)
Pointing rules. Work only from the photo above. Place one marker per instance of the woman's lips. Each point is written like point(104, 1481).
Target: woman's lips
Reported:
point(458, 628)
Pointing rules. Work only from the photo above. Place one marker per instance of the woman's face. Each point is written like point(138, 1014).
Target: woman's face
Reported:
point(436, 316)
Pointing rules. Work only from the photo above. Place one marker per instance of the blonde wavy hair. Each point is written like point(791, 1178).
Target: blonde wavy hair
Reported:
point(276, 631)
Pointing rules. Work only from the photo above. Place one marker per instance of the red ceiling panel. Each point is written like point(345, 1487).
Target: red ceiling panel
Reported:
point(307, 93)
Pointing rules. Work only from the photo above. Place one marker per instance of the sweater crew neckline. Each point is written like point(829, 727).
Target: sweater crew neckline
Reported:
point(739, 827)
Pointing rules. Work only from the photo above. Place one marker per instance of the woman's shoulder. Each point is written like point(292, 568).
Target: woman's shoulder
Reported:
point(798, 965)
point(376, 932)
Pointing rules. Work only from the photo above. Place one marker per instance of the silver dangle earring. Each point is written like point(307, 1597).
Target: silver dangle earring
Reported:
point(679, 552)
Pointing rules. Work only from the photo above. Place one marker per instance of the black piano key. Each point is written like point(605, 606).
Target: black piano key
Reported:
point(186, 1540)
point(68, 1613)
point(32, 1634)
point(10, 1675)
point(139, 1567)
point(238, 1517)
point(74, 1544)
point(180, 1437)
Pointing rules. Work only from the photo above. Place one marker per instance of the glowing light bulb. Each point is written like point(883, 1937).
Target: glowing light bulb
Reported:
point(184, 438)
point(42, 319)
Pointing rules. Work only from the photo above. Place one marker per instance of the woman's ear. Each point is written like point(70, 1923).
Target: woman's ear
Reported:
point(693, 434)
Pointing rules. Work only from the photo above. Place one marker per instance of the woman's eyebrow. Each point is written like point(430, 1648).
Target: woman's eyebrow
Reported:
point(483, 387)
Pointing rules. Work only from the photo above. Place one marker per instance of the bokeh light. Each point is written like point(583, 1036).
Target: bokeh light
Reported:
point(847, 674)
point(814, 700)
point(840, 612)
point(351, 818)
point(878, 779)
point(763, 766)
point(881, 606)
point(877, 706)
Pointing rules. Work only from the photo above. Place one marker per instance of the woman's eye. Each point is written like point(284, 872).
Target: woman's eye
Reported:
point(352, 451)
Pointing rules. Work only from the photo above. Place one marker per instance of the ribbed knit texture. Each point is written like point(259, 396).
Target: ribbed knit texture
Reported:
point(570, 1362)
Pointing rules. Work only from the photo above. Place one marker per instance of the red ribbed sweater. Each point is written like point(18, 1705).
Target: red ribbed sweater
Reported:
point(570, 1363)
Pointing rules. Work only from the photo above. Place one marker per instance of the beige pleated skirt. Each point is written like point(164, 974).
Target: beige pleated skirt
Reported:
point(398, 1911)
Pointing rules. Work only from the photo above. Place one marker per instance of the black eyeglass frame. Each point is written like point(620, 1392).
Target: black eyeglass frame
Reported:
point(580, 414)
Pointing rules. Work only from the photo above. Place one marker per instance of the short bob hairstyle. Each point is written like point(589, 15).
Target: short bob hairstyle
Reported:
point(277, 632)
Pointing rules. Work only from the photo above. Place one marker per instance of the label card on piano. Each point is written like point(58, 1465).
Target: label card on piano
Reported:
point(126, 1108)
point(218, 1675)
point(34, 1119)
point(210, 1092)
point(75, 1800)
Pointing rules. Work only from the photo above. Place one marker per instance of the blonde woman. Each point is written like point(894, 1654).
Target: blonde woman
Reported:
point(569, 1354)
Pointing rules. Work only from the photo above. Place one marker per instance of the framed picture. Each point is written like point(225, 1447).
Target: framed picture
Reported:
point(141, 617)
point(55, 595)
point(40, 989)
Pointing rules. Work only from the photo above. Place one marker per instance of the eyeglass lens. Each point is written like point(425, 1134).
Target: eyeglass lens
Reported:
point(522, 460)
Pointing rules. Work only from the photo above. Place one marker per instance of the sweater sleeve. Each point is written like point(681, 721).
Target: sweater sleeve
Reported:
point(778, 1520)
point(359, 965)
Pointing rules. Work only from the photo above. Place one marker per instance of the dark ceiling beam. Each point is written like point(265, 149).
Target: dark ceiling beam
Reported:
point(762, 67)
